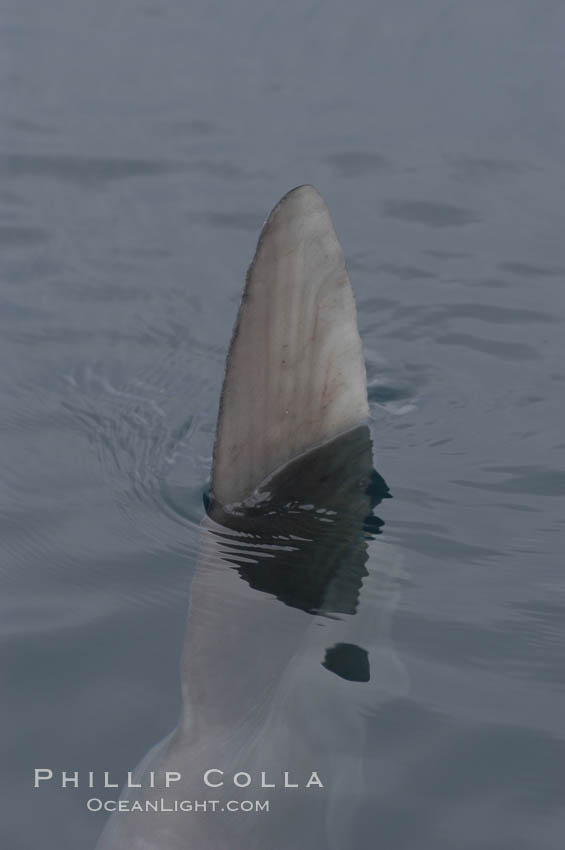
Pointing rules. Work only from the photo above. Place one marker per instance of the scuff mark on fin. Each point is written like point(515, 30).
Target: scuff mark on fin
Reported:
point(295, 374)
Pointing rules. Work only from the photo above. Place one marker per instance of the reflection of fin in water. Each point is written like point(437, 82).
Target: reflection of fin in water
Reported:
point(286, 651)
point(319, 504)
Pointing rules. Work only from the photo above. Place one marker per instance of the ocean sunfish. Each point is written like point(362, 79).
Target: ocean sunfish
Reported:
point(287, 648)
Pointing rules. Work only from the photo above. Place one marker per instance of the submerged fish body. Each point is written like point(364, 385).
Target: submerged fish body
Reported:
point(287, 646)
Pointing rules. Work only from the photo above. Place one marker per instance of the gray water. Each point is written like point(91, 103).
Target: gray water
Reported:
point(142, 144)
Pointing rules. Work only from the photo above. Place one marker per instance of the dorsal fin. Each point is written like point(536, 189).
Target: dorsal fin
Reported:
point(295, 374)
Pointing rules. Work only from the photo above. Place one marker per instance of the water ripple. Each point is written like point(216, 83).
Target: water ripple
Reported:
point(351, 164)
point(430, 213)
point(137, 443)
point(531, 270)
point(484, 169)
point(81, 170)
point(531, 480)
point(15, 236)
point(495, 348)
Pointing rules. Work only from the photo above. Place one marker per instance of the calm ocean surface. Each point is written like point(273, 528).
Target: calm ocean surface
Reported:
point(142, 144)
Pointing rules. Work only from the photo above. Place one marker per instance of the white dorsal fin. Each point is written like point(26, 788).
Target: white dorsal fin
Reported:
point(295, 374)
